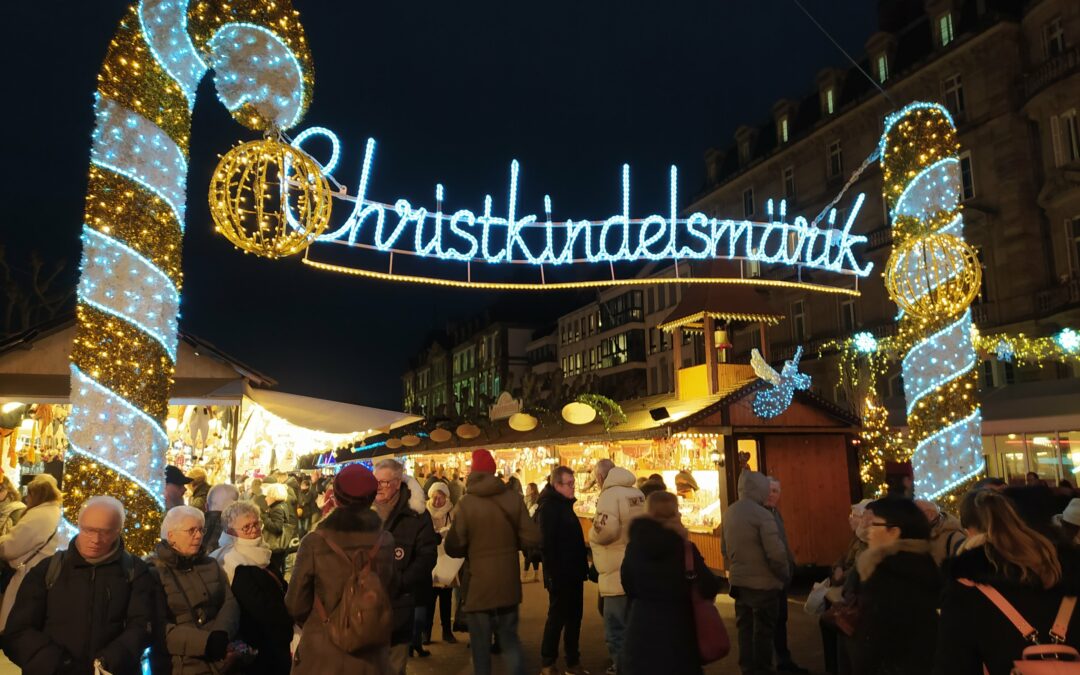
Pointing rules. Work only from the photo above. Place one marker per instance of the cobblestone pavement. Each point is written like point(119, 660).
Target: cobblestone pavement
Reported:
point(454, 659)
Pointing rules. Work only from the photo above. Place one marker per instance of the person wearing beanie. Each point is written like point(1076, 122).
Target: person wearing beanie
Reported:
point(1068, 523)
point(660, 631)
point(491, 525)
point(354, 529)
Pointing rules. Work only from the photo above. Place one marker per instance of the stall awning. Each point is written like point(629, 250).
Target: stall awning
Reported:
point(329, 416)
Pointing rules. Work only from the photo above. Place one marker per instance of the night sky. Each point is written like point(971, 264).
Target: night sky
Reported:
point(452, 92)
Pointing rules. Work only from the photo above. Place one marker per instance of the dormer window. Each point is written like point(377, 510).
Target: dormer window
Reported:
point(945, 29)
point(828, 100)
point(782, 130)
point(744, 151)
point(882, 67)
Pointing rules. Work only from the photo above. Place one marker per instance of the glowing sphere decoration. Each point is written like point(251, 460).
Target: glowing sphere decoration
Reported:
point(933, 275)
point(254, 185)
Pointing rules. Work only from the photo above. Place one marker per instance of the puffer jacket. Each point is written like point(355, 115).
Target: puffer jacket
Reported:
point(92, 611)
point(491, 524)
point(194, 600)
point(34, 538)
point(322, 573)
point(620, 502)
point(754, 552)
point(415, 553)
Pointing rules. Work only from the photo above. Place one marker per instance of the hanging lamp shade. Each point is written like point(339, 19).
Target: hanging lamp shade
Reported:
point(467, 431)
point(410, 440)
point(578, 413)
point(393, 443)
point(523, 422)
point(440, 435)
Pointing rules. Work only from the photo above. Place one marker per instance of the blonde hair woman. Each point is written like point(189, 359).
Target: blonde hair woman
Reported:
point(11, 508)
point(34, 538)
point(1005, 554)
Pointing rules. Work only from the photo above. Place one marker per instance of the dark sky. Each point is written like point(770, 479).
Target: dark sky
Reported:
point(452, 92)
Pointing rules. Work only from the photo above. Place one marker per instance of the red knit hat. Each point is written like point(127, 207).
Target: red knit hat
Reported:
point(483, 461)
point(353, 483)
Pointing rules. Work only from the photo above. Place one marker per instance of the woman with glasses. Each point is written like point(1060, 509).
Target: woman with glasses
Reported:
point(265, 623)
point(197, 614)
point(897, 586)
point(1005, 554)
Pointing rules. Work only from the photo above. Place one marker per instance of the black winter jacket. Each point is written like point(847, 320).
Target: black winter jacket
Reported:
point(566, 558)
point(264, 620)
point(91, 612)
point(974, 632)
point(898, 589)
point(277, 527)
point(415, 553)
point(660, 633)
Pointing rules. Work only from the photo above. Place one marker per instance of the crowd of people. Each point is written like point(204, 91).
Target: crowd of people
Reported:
point(344, 574)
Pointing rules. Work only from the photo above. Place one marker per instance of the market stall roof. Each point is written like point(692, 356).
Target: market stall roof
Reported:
point(35, 368)
point(329, 416)
point(722, 302)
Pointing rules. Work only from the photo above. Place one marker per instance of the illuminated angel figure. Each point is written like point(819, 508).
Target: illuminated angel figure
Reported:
point(775, 399)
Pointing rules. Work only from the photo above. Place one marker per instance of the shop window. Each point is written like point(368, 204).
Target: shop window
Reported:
point(945, 29)
point(952, 94)
point(748, 202)
point(836, 159)
point(1054, 37)
point(789, 183)
point(1065, 134)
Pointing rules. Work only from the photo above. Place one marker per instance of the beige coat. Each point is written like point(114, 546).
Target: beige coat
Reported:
point(34, 538)
point(491, 525)
point(322, 573)
point(620, 502)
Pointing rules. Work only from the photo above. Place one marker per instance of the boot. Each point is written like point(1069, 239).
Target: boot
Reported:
point(448, 637)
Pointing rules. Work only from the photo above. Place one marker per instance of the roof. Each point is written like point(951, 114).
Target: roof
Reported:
point(737, 303)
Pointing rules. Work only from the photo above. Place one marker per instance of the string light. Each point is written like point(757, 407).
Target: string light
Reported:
point(125, 342)
point(776, 398)
point(485, 237)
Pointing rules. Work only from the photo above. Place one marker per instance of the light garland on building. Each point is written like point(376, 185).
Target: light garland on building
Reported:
point(129, 287)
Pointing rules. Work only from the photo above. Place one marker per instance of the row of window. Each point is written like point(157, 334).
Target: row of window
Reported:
point(610, 352)
point(617, 311)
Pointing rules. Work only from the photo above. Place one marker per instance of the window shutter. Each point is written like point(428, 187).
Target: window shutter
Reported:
point(1055, 136)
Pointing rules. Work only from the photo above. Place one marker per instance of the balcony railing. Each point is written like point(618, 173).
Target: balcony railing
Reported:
point(1052, 70)
point(1053, 299)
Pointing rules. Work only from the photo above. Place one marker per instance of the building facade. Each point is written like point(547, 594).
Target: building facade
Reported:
point(1009, 72)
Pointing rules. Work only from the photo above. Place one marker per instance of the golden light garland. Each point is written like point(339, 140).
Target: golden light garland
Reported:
point(253, 187)
point(85, 478)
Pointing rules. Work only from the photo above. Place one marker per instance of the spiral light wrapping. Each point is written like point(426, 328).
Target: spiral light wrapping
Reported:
point(922, 187)
point(125, 345)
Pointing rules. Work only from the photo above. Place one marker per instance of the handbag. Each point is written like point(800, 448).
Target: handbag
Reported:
point(843, 615)
point(446, 568)
point(712, 637)
point(815, 600)
point(1056, 658)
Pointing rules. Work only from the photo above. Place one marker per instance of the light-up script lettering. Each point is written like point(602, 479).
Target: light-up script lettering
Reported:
point(507, 236)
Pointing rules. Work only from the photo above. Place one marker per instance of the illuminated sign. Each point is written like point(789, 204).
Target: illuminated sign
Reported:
point(507, 236)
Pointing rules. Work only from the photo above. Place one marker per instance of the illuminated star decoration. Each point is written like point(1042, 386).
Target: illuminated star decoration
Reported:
point(774, 400)
point(1069, 341)
point(1004, 352)
point(865, 342)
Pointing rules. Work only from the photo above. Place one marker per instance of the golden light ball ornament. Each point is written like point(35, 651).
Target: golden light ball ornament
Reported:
point(254, 189)
point(936, 275)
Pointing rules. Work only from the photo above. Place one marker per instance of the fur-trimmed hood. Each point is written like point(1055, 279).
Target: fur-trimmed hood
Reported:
point(896, 557)
point(417, 497)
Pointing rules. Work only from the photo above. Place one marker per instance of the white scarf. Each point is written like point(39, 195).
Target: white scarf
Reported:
point(235, 552)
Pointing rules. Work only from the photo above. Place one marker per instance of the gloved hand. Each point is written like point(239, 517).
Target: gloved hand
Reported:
point(216, 645)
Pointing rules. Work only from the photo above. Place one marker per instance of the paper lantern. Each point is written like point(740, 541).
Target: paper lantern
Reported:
point(523, 422)
point(410, 441)
point(578, 413)
point(393, 443)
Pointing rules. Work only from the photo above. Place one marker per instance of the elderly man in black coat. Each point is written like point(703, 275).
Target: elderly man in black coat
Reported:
point(91, 604)
point(402, 506)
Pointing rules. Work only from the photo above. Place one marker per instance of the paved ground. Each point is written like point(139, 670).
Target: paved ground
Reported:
point(454, 659)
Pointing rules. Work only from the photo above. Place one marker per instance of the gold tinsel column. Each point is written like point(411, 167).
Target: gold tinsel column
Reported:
point(125, 345)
